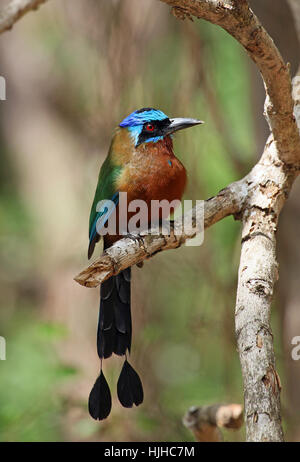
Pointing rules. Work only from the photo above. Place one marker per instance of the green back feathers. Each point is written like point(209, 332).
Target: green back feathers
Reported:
point(106, 186)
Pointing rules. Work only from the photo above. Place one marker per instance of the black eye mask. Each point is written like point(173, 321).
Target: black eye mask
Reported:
point(160, 129)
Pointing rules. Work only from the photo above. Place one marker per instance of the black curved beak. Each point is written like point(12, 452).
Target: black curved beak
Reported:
point(181, 123)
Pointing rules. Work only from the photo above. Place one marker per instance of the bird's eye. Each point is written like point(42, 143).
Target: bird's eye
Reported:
point(150, 127)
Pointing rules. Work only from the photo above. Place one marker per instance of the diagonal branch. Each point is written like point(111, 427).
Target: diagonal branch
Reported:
point(15, 10)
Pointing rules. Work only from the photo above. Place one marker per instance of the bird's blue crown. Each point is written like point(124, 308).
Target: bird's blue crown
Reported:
point(136, 120)
point(142, 116)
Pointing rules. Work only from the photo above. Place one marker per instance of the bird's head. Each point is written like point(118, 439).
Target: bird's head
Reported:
point(152, 125)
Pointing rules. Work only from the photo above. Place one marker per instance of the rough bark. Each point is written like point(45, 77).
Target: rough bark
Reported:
point(15, 10)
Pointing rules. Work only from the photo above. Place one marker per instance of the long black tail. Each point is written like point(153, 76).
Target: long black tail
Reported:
point(114, 325)
point(114, 336)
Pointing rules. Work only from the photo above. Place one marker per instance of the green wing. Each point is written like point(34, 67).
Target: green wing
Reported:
point(106, 190)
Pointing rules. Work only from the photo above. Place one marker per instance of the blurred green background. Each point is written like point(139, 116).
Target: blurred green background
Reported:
point(74, 70)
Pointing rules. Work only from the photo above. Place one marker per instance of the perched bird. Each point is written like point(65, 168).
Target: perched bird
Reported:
point(140, 162)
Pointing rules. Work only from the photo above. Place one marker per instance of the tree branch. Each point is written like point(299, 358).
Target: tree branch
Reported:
point(15, 10)
point(205, 422)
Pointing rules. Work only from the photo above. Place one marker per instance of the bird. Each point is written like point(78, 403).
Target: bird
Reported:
point(141, 163)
